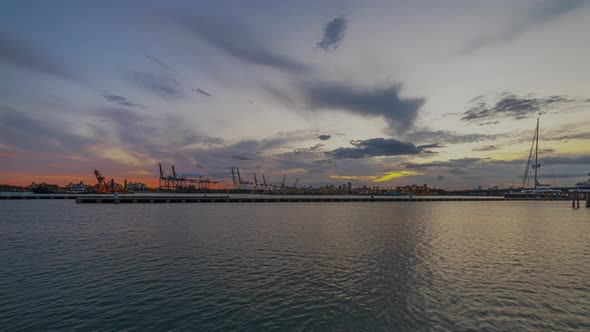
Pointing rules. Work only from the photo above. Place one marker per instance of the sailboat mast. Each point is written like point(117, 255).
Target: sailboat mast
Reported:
point(536, 152)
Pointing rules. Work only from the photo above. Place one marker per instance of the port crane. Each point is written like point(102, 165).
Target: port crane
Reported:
point(179, 182)
point(255, 182)
point(104, 186)
point(165, 181)
point(238, 182)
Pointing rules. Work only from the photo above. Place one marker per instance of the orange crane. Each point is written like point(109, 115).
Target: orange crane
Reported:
point(103, 185)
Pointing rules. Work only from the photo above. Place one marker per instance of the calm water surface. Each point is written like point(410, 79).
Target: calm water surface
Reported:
point(294, 266)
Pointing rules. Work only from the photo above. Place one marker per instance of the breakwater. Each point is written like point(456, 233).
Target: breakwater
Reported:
point(270, 199)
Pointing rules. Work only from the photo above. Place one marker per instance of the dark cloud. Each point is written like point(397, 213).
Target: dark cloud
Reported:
point(513, 106)
point(375, 147)
point(203, 92)
point(120, 100)
point(235, 40)
point(399, 113)
point(324, 137)
point(17, 53)
point(163, 86)
point(486, 148)
point(540, 13)
point(156, 61)
point(333, 34)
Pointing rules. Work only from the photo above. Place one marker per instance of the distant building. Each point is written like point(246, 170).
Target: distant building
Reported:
point(136, 186)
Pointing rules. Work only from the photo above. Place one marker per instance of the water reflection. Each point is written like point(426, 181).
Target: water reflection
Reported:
point(293, 266)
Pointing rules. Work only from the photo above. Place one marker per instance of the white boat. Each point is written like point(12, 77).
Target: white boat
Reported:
point(584, 185)
point(539, 190)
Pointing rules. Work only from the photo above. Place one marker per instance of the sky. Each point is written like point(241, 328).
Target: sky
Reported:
point(379, 93)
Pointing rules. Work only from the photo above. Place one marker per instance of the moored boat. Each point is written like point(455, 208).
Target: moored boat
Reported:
point(539, 191)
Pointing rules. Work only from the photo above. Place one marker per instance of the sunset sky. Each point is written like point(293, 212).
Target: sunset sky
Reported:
point(381, 93)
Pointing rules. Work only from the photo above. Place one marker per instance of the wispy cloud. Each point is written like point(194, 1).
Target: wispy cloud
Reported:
point(333, 34)
point(156, 61)
point(203, 92)
point(21, 130)
point(19, 54)
point(448, 137)
point(542, 12)
point(235, 40)
point(453, 163)
point(161, 85)
point(121, 101)
point(486, 148)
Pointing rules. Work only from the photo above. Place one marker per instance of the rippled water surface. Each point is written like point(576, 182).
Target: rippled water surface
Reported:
point(294, 266)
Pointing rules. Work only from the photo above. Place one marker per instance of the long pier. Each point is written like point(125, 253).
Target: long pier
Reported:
point(271, 199)
point(212, 198)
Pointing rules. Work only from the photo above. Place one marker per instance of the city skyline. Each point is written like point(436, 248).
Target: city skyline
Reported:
point(377, 93)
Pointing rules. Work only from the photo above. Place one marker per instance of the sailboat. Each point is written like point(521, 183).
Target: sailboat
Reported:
point(539, 190)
